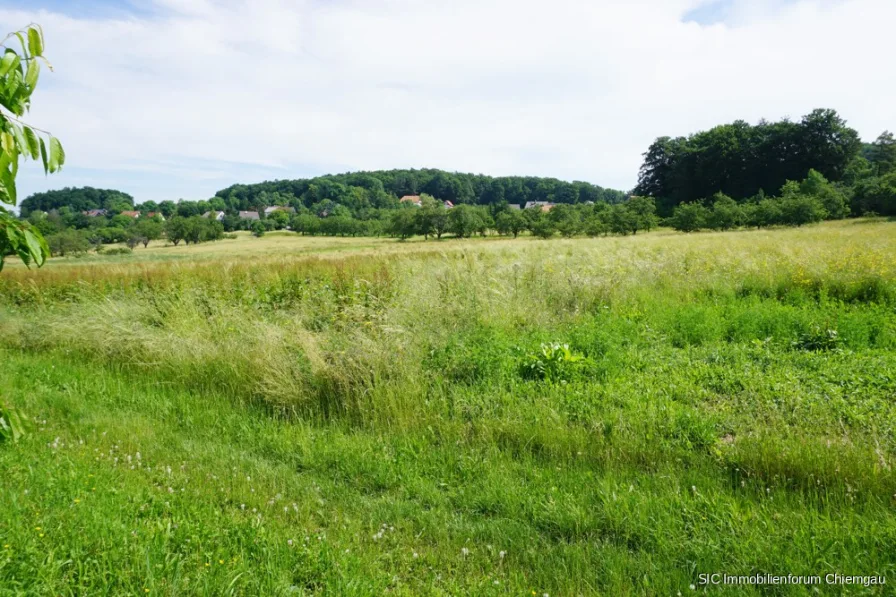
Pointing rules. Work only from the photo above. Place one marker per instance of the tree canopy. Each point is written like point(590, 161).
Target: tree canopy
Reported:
point(383, 188)
point(740, 160)
point(78, 199)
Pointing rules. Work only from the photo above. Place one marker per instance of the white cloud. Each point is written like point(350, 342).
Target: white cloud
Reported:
point(572, 89)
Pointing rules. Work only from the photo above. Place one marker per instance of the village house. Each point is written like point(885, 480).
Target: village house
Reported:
point(155, 214)
point(93, 213)
point(131, 214)
point(249, 215)
point(545, 206)
point(215, 215)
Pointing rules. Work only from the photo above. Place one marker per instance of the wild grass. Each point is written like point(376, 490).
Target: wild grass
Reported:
point(617, 415)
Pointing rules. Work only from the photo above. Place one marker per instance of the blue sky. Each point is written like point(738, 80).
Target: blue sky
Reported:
point(169, 99)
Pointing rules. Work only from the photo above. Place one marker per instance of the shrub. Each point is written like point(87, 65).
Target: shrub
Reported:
point(554, 362)
point(115, 251)
point(689, 217)
point(818, 339)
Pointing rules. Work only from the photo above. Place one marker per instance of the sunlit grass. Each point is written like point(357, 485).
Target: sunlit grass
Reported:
point(731, 410)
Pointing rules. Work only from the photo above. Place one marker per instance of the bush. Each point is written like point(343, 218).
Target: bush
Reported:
point(68, 242)
point(114, 251)
point(554, 362)
point(689, 217)
point(818, 339)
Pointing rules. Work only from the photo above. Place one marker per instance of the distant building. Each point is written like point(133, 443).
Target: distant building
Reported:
point(131, 214)
point(448, 205)
point(414, 199)
point(93, 213)
point(249, 215)
point(269, 210)
point(215, 215)
point(545, 206)
point(155, 214)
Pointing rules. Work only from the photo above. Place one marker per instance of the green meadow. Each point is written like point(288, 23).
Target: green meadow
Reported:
point(289, 415)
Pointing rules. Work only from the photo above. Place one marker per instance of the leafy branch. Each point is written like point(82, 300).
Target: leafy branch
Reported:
point(19, 74)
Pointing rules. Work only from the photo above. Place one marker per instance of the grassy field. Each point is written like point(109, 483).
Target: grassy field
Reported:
point(613, 416)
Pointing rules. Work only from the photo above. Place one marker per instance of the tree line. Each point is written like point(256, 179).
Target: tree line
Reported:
point(750, 163)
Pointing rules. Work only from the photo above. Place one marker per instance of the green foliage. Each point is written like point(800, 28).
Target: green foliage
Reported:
point(543, 228)
point(115, 251)
point(464, 221)
point(146, 230)
point(876, 195)
point(176, 229)
point(725, 214)
point(78, 200)
point(68, 242)
point(403, 223)
point(740, 160)
point(883, 154)
point(381, 189)
point(689, 217)
point(817, 339)
point(12, 424)
point(797, 208)
point(19, 72)
point(510, 222)
point(258, 229)
point(554, 362)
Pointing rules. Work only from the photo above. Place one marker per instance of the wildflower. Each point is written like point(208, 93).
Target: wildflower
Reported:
point(416, 555)
point(77, 501)
point(465, 552)
point(220, 561)
point(289, 542)
point(502, 554)
point(693, 588)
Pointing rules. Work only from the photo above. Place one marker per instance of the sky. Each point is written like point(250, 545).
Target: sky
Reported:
point(170, 99)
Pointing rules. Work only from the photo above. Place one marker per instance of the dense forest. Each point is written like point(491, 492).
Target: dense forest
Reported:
point(357, 192)
point(743, 162)
point(382, 188)
point(77, 200)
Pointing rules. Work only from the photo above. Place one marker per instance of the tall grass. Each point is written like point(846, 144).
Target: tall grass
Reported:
point(749, 364)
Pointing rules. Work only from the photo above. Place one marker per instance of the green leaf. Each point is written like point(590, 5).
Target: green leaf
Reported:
point(35, 41)
point(12, 426)
point(57, 154)
point(9, 61)
point(34, 247)
point(32, 74)
point(21, 40)
point(19, 135)
point(43, 154)
point(31, 139)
